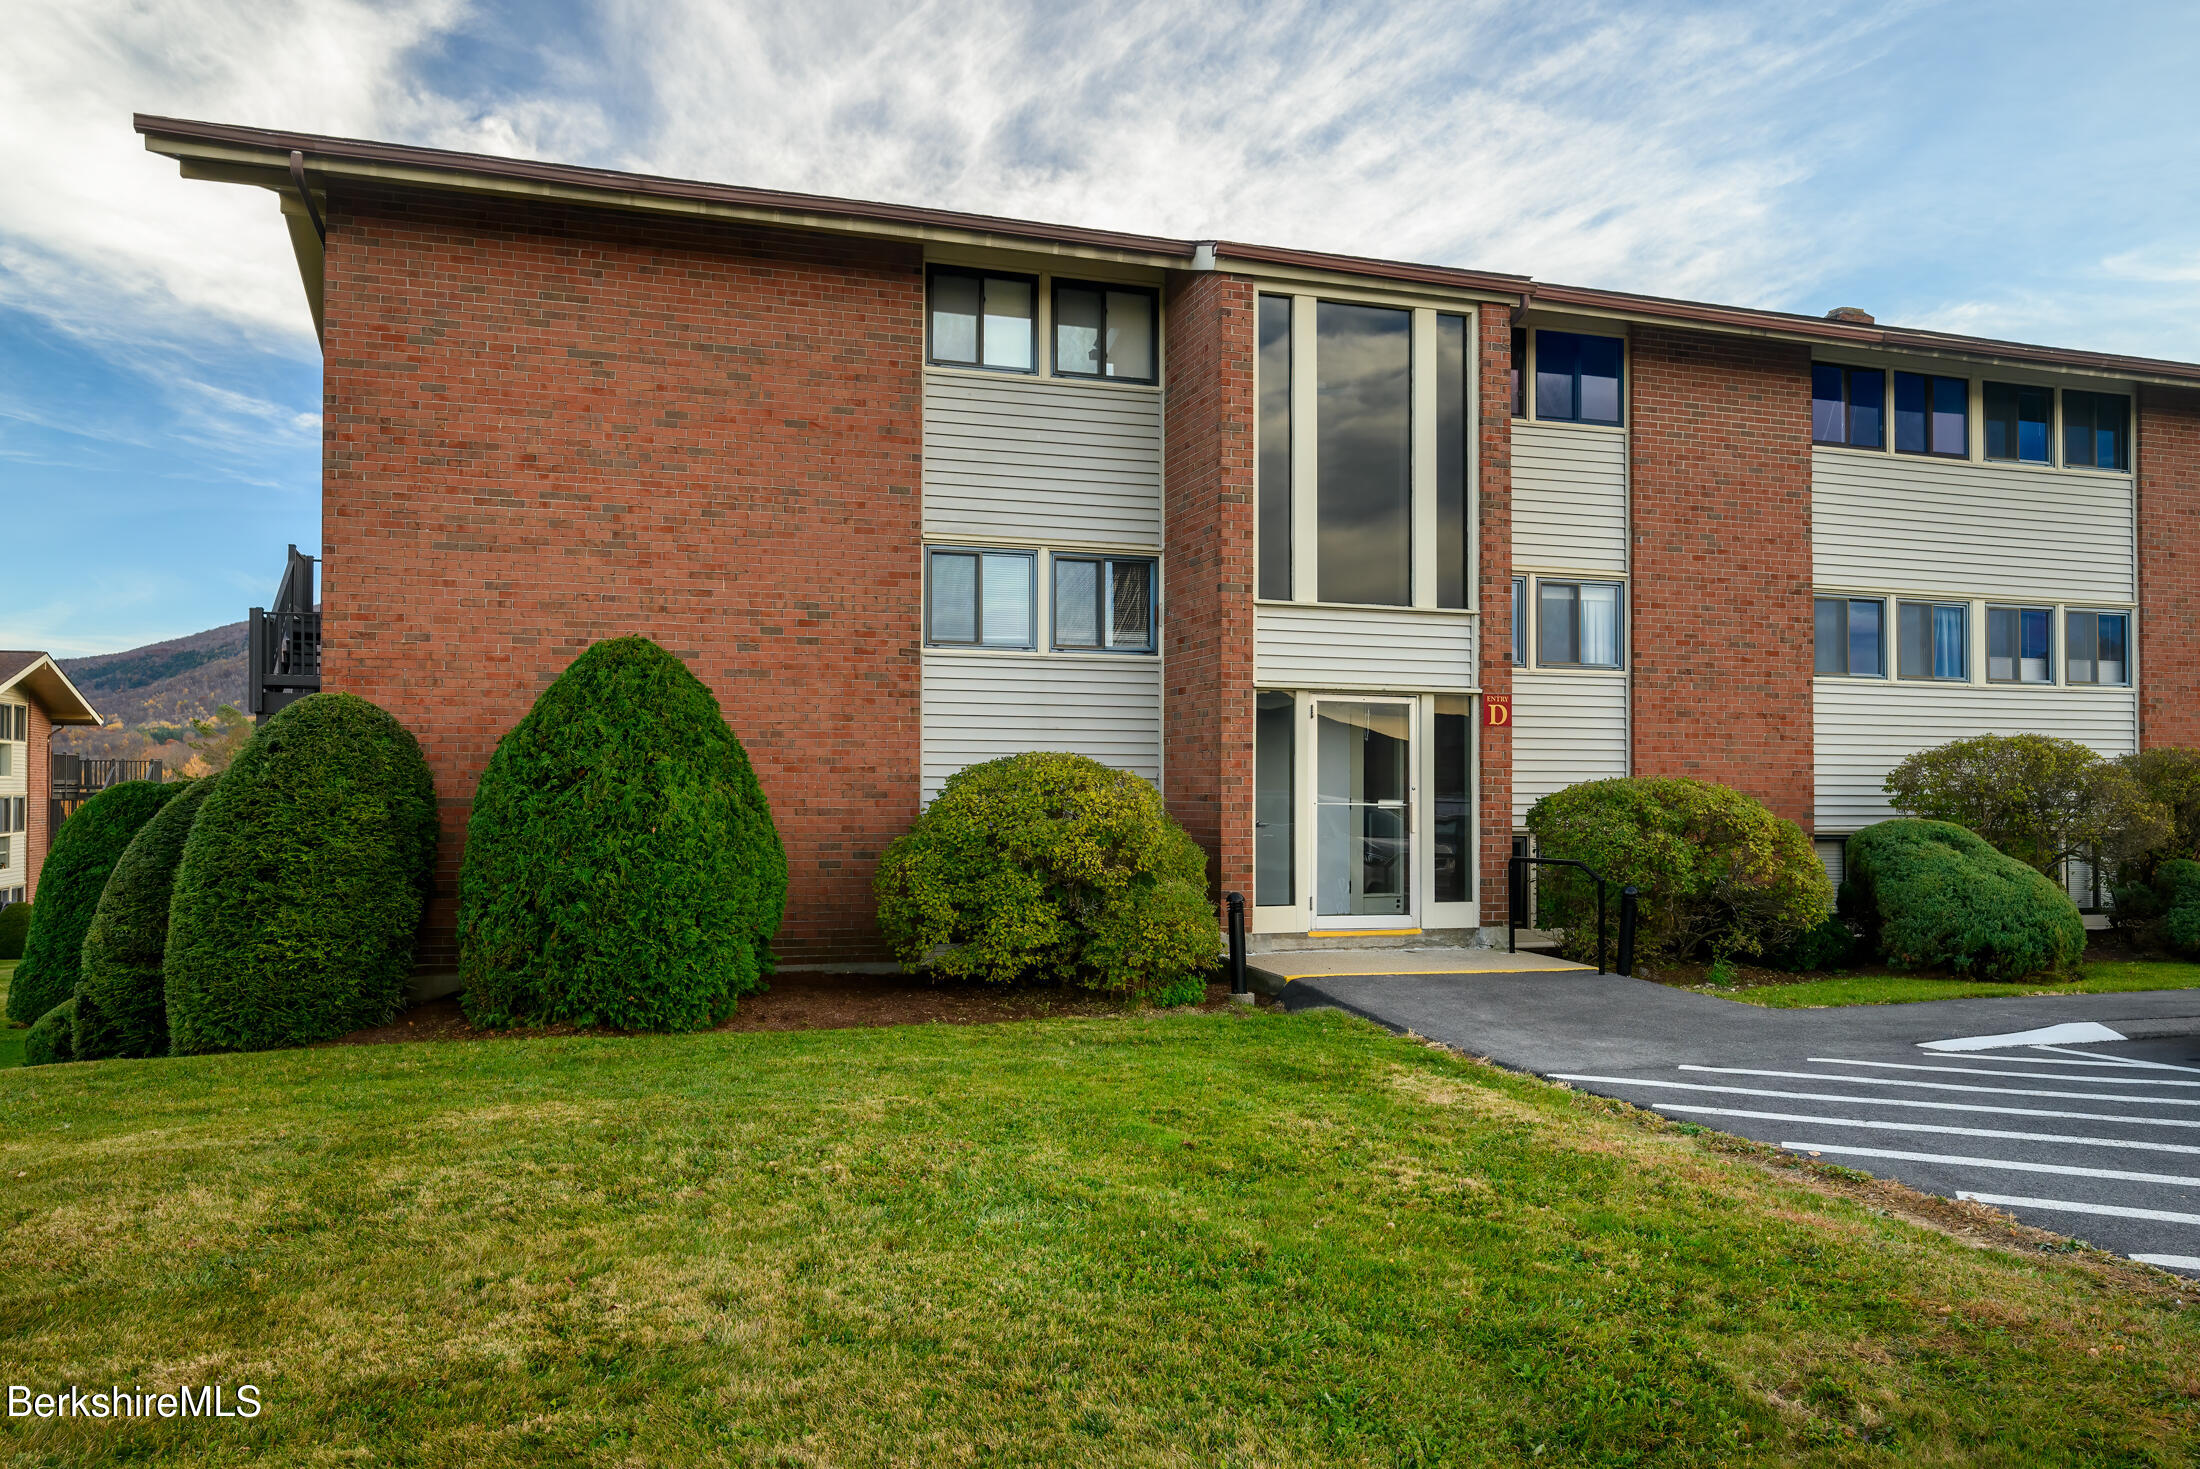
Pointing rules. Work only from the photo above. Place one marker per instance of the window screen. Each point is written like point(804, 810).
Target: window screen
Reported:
point(1932, 415)
point(1848, 405)
point(983, 320)
point(1577, 378)
point(2020, 645)
point(1104, 331)
point(981, 598)
point(1933, 640)
point(1104, 604)
point(1578, 624)
point(1851, 636)
point(2017, 422)
point(2096, 430)
point(2097, 647)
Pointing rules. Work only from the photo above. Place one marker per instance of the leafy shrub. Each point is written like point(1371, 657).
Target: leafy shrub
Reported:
point(121, 999)
point(1933, 895)
point(1718, 874)
point(53, 1037)
point(85, 850)
point(621, 865)
point(1051, 865)
point(15, 924)
point(2169, 776)
point(2037, 798)
point(302, 883)
point(1829, 945)
point(2164, 910)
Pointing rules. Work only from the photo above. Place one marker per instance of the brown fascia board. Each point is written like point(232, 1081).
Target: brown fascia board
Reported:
point(37, 675)
point(1509, 288)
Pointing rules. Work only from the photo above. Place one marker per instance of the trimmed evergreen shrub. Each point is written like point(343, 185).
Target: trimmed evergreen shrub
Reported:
point(1719, 875)
point(1827, 946)
point(2165, 910)
point(302, 883)
point(1051, 865)
point(121, 999)
point(52, 1038)
point(15, 924)
point(85, 850)
point(621, 865)
point(1932, 894)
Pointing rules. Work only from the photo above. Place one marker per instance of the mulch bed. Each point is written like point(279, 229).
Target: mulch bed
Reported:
point(818, 1002)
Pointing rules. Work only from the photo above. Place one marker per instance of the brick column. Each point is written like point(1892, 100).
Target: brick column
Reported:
point(38, 805)
point(1719, 491)
point(1207, 586)
point(2169, 578)
point(1494, 507)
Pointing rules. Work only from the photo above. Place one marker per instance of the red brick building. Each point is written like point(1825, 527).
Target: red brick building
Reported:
point(1354, 559)
point(35, 696)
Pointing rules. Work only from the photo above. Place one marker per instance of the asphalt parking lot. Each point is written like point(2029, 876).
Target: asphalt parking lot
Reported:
point(2079, 1114)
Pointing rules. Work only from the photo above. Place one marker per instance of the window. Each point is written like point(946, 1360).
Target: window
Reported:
point(980, 598)
point(1452, 553)
point(2017, 422)
point(1275, 803)
point(2096, 430)
point(2020, 644)
point(984, 320)
point(1851, 636)
point(1454, 799)
point(12, 812)
point(1932, 415)
point(1104, 331)
point(2096, 642)
point(1103, 604)
point(1363, 444)
point(1577, 624)
point(1577, 378)
point(1520, 622)
point(1274, 468)
point(15, 722)
point(1520, 373)
point(1848, 405)
point(1931, 640)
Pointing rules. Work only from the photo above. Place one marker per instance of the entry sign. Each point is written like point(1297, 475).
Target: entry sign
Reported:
point(1497, 709)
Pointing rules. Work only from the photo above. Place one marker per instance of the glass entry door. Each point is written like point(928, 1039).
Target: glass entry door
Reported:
point(1363, 811)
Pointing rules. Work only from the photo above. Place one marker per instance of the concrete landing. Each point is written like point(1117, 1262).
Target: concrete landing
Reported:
point(1269, 973)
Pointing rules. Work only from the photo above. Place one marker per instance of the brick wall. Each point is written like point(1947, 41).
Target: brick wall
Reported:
point(2169, 578)
point(38, 805)
point(1494, 496)
point(1719, 489)
point(542, 430)
point(1207, 710)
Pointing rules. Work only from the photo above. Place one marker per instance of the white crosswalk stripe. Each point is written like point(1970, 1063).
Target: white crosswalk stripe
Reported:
point(2031, 1075)
point(2191, 1149)
point(2011, 1165)
point(1915, 1103)
point(1939, 1086)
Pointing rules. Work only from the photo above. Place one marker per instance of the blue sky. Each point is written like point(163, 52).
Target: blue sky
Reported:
point(2013, 169)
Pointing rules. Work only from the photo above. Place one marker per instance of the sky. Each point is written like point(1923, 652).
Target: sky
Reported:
point(2010, 169)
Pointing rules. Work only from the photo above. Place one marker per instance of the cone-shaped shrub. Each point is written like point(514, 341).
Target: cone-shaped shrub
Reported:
point(621, 864)
point(1051, 865)
point(121, 1000)
point(302, 883)
point(1931, 894)
point(15, 926)
point(84, 852)
point(52, 1038)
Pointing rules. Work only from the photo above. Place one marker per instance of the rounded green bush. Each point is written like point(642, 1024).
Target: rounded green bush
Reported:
point(302, 883)
point(15, 925)
point(1718, 875)
point(121, 999)
point(621, 864)
point(53, 1037)
point(1827, 946)
point(1933, 895)
point(85, 850)
point(1050, 865)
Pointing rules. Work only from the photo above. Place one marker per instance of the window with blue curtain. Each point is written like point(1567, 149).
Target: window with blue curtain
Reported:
point(1577, 377)
point(1931, 640)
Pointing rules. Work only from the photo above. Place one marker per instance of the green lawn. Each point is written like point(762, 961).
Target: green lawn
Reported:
point(1899, 989)
point(11, 1036)
point(1243, 1238)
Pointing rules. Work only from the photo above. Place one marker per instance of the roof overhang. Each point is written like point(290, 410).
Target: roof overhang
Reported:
point(42, 681)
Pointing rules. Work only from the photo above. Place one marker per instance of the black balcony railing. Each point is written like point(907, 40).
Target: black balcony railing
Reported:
point(284, 642)
point(76, 780)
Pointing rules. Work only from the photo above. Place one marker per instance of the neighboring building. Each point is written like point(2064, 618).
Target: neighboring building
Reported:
point(1288, 533)
point(35, 695)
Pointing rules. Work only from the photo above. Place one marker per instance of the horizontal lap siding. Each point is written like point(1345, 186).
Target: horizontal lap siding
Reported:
point(980, 707)
point(1865, 728)
point(1382, 651)
point(1567, 728)
point(1031, 459)
point(1973, 530)
point(1569, 507)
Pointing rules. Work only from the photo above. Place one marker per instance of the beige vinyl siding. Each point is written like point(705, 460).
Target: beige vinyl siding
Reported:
point(15, 871)
point(979, 706)
point(1016, 459)
point(1899, 522)
point(1399, 650)
point(1865, 727)
point(1567, 728)
point(1569, 487)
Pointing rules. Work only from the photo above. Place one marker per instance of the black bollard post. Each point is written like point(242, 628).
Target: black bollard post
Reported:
point(1627, 931)
point(1240, 992)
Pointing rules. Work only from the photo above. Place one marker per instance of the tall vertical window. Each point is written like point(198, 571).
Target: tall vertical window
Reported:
point(1520, 372)
point(1363, 372)
point(1848, 405)
point(2096, 644)
point(1851, 637)
point(1275, 803)
point(980, 598)
point(1103, 603)
point(1274, 469)
point(980, 319)
point(1452, 529)
point(1520, 622)
point(2020, 644)
point(1577, 624)
point(1104, 331)
point(1932, 415)
point(1577, 378)
point(2018, 422)
point(1932, 640)
point(2096, 430)
point(1454, 800)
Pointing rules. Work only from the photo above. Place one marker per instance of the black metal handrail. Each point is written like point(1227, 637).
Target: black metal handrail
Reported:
point(1516, 891)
